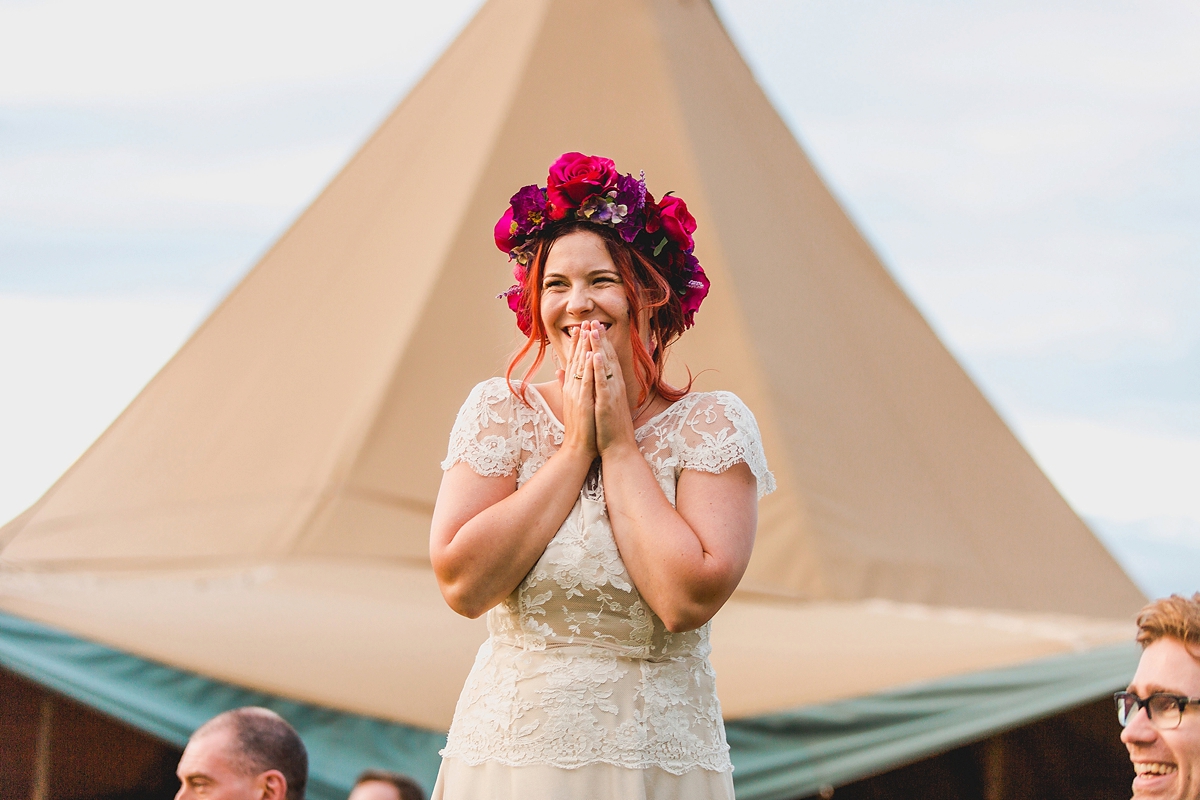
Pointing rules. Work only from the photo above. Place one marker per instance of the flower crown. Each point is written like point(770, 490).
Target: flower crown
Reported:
point(588, 188)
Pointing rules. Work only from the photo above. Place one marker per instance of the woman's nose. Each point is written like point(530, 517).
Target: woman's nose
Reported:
point(579, 299)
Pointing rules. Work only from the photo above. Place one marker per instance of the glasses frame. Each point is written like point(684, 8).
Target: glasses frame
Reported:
point(1181, 702)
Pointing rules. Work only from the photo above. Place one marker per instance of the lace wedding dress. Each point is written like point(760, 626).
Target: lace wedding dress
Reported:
point(580, 691)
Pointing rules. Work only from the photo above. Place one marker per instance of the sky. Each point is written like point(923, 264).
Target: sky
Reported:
point(1029, 172)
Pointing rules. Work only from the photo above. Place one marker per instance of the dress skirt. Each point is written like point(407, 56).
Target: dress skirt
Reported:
point(492, 780)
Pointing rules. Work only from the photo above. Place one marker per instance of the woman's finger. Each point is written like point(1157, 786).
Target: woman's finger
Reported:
point(589, 374)
point(581, 348)
point(603, 342)
point(602, 369)
point(572, 355)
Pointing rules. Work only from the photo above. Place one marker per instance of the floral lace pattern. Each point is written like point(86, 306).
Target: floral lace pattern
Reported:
point(577, 668)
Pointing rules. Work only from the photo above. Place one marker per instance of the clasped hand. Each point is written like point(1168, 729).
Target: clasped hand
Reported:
point(596, 409)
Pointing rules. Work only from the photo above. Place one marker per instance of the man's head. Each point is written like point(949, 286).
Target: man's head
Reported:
point(244, 754)
point(376, 784)
point(1166, 756)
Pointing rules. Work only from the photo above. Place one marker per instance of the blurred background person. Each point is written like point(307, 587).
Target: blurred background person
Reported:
point(378, 784)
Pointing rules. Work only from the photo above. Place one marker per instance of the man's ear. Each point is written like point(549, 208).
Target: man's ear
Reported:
point(271, 785)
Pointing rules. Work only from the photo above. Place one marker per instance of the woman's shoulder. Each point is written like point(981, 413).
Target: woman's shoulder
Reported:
point(717, 430)
point(501, 398)
point(494, 387)
point(493, 392)
point(707, 404)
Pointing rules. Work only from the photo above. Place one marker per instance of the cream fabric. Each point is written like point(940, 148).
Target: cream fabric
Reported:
point(492, 781)
point(577, 669)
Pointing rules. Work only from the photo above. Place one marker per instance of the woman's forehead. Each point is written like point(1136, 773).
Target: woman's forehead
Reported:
point(579, 251)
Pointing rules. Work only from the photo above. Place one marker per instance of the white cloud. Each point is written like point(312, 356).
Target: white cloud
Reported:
point(119, 186)
point(1027, 169)
point(1162, 555)
point(1116, 473)
point(69, 366)
point(122, 50)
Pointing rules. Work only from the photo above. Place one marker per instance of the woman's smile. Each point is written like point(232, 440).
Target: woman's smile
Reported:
point(581, 284)
point(572, 330)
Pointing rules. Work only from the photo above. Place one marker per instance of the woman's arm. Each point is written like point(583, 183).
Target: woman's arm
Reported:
point(486, 534)
point(686, 559)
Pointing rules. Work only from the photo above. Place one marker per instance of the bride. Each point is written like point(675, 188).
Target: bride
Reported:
point(600, 519)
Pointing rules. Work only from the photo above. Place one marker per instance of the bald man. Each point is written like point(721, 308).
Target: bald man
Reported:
point(244, 754)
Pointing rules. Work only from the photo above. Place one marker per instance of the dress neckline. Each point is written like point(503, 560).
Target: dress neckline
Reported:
point(637, 432)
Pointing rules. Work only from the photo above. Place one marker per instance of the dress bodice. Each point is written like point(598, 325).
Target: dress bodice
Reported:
point(577, 668)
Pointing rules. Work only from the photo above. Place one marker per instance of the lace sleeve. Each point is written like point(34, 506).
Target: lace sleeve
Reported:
point(718, 432)
point(484, 436)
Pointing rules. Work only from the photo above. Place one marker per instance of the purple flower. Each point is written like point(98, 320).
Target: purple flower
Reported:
point(603, 209)
point(529, 209)
point(525, 215)
point(631, 193)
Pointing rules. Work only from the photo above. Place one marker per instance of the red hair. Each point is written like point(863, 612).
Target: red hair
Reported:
point(646, 289)
point(1173, 617)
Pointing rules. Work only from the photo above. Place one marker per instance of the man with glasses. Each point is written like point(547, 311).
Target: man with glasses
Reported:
point(1161, 709)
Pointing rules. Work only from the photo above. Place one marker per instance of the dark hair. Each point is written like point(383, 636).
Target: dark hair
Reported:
point(406, 786)
point(646, 289)
point(265, 741)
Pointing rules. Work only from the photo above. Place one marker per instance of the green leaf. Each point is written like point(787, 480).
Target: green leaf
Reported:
point(660, 247)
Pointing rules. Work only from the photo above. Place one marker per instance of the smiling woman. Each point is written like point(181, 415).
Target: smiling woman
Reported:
point(599, 519)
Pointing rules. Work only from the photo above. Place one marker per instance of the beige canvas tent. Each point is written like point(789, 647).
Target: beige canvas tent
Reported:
point(259, 514)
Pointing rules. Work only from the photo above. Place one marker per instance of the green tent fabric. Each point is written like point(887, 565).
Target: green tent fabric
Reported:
point(776, 757)
point(789, 755)
point(170, 704)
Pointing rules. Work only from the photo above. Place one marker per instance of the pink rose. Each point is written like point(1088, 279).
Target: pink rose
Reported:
point(505, 231)
point(524, 323)
point(576, 177)
point(678, 224)
point(694, 296)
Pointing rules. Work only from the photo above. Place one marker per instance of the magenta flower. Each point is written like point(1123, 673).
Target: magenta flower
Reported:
point(693, 296)
point(574, 178)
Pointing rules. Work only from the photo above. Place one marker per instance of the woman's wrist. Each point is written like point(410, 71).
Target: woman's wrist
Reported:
point(621, 450)
point(580, 453)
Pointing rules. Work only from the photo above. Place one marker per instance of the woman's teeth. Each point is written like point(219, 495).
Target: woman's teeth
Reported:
point(571, 330)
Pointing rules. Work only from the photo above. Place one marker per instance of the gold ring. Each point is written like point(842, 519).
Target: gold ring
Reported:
point(578, 377)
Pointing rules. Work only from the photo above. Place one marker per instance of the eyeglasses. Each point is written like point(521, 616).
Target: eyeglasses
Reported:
point(1162, 709)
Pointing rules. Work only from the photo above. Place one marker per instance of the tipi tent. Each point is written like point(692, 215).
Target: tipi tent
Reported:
point(258, 516)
